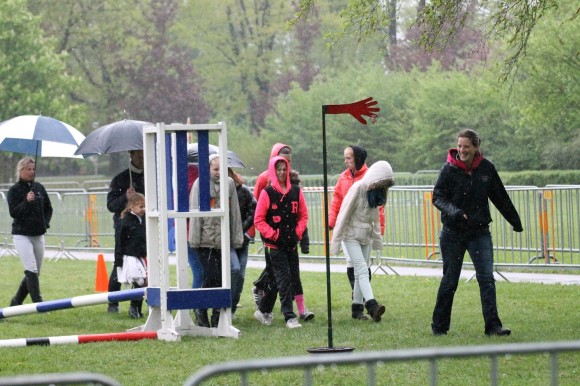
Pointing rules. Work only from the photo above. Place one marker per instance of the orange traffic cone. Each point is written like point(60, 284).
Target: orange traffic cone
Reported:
point(102, 279)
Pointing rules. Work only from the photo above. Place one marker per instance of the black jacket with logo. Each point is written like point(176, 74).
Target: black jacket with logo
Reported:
point(460, 191)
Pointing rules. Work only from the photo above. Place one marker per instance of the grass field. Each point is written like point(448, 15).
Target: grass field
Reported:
point(534, 312)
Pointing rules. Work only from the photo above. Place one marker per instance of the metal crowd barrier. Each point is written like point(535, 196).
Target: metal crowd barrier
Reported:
point(60, 379)
point(371, 360)
point(550, 217)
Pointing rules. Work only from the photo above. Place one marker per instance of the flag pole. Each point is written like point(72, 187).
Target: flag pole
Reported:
point(366, 107)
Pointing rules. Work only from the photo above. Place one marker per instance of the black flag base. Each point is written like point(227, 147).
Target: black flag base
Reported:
point(329, 350)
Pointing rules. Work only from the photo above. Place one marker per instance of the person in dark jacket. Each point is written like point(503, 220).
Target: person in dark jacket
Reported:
point(123, 185)
point(247, 204)
point(304, 313)
point(131, 243)
point(465, 183)
point(31, 210)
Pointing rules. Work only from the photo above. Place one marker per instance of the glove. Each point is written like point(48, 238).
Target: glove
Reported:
point(518, 229)
point(304, 248)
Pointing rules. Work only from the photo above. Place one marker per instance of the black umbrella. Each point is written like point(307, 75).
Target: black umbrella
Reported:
point(115, 137)
point(193, 157)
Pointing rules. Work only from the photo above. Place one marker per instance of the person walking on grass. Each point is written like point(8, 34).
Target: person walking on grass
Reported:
point(206, 237)
point(247, 204)
point(122, 187)
point(281, 218)
point(131, 243)
point(465, 184)
point(356, 167)
point(358, 230)
point(266, 282)
point(31, 210)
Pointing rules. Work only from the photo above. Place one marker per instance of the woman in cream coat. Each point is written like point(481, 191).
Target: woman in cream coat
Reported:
point(358, 227)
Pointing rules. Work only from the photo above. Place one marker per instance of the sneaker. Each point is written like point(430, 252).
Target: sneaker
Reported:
point(269, 318)
point(293, 323)
point(257, 296)
point(262, 318)
point(307, 315)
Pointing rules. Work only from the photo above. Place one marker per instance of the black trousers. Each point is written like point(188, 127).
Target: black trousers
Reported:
point(280, 260)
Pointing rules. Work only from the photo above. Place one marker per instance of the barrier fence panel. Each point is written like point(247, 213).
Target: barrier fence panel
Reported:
point(5, 228)
point(550, 217)
point(89, 222)
point(377, 362)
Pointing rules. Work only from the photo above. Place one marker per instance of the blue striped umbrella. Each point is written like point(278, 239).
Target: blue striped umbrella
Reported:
point(39, 136)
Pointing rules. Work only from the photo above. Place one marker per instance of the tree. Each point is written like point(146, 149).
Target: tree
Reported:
point(34, 78)
point(547, 91)
point(248, 55)
point(467, 51)
point(511, 21)
point(130, 66)
point(164, 84)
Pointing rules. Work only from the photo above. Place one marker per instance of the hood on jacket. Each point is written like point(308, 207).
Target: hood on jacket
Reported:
point(360, 156)
point(274, 178)
point(379, 175)
point(453, 159)
point(276, 149)
point(211, 158)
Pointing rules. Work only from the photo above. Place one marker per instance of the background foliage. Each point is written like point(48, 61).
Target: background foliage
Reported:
point(252, 64)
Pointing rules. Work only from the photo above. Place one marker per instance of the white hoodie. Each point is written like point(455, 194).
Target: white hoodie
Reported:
point(356, 220)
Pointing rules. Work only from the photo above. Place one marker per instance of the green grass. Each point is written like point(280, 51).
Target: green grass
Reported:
point(534, 312)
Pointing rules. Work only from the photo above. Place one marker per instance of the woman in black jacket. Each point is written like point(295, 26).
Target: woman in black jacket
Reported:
point(31, 210)
point(465, 183)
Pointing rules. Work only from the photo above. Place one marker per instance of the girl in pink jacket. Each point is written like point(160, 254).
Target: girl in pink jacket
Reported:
point(281, 218)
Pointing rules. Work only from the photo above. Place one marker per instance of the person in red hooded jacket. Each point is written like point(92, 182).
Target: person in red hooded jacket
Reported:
point(356, 167)
point(281, 218)
point(265, 282)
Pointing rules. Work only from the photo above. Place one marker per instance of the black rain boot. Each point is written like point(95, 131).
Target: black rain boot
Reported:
point(350, 275)
point(358, 312)
point(201, 318)
point(134, 309)
point(33, 286)
point(21, 293)
point(215, 317)
point(140, 308)
point(375, 309)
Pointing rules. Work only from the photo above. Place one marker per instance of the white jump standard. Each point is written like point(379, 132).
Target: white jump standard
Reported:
point(165, 168)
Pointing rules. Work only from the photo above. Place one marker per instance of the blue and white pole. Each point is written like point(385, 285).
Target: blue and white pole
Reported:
point(77, 301)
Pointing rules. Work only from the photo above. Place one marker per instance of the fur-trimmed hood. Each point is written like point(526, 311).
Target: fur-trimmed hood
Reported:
point(380, 174)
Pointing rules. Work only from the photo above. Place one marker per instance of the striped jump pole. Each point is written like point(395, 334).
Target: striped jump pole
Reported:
point(77, 301)
point(78, 339)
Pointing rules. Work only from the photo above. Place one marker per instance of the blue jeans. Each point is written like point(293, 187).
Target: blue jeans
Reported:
point(196, 268)
point(453, 245)
point(238, 263)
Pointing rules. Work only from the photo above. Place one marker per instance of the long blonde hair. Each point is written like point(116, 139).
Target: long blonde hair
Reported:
point(133, 200)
